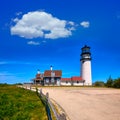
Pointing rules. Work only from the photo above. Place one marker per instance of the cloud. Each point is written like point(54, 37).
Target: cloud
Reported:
point(33, 43)
point(5, 76)
point(10, 78)
point(18, 13)
point(17, 63)
point(15, 20)
point(41, 24)
point(71, 23)
point(85, 24)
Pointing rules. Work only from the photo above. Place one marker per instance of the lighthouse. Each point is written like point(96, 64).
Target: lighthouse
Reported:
point(86, 65)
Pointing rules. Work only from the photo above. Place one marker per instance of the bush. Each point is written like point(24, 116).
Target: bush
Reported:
point(99, 84)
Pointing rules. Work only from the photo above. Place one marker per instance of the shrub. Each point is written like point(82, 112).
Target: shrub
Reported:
point(99, 84)
point(20, 104)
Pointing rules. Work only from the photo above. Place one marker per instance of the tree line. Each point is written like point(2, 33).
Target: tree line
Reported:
point(111, 83)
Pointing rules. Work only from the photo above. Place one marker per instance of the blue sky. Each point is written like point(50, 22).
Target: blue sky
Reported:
point(29, 40)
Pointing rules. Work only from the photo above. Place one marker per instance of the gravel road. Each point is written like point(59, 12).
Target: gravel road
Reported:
point(87, 103)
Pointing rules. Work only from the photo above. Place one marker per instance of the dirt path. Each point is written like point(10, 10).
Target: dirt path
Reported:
point(87, 103)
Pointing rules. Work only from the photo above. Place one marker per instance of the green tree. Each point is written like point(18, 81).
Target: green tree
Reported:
point(109, 82)
point(116, 83)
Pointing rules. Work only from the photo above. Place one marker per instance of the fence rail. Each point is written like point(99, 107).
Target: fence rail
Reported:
point(44, 99)
point(48, 104)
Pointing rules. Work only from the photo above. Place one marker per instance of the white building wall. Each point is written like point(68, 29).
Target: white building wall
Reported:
point(58, 83)
point(77, 84)
point(66, 84)
point(69, 84)
point(86, 72)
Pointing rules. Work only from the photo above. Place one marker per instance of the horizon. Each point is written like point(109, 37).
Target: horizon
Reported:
point(38, 34)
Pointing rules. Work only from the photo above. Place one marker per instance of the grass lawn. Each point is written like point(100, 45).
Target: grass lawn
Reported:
point(19, 104)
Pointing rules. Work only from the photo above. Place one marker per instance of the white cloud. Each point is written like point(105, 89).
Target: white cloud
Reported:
point(85, 24)
point(71, 23)
point(33, 43)
point(41, 24)
point(15, 20)
point(16, 63)
point(18, 13)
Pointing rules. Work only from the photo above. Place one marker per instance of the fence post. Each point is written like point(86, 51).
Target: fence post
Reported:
point(37, 90)
point(47, 106)
point(41, 91)
point(47, 96)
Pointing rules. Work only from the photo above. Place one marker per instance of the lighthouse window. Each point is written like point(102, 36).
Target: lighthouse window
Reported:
point(83, 61)
point(86, 51)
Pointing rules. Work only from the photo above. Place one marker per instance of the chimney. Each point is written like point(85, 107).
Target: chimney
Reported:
point(38, 71)
point(51, 67)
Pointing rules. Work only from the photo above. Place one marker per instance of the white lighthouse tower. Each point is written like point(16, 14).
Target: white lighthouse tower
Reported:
point(86, 65)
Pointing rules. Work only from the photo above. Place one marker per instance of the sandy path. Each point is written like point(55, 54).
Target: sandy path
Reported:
point(87, 103)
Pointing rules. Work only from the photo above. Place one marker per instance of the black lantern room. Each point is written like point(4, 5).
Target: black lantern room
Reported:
point(85, 54)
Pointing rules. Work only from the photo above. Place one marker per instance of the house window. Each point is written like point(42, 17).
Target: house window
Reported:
point(47, 80)
point(66, 82)
point(77, 82)
point(52, 80)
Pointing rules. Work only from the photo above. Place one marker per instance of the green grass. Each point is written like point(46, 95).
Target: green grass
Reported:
point(19, 104)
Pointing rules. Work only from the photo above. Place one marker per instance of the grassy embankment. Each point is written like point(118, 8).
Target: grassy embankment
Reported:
point(19, 104)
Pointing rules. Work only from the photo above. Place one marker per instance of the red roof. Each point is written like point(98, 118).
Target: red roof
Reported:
point(56, 73)
point(65, 79)
point(38, 76)
point(76, 78)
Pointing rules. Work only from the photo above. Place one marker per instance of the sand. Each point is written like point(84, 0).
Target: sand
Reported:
point(87, 103)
